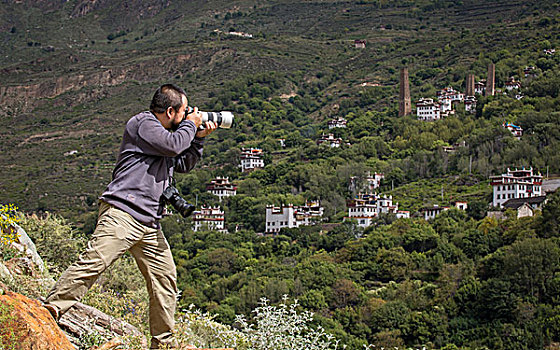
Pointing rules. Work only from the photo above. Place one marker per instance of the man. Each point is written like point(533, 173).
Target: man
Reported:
point(154, 145)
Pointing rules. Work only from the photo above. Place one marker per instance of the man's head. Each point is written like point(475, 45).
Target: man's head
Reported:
point(169, 105)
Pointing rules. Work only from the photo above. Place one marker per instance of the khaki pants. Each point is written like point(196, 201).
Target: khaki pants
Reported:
point(117, 232)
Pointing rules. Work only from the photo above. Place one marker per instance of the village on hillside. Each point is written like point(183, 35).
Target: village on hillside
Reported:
point(520, 189)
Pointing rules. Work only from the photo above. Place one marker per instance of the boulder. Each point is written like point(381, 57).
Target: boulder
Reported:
point(28, 247)
point(5, 274)
point(83, 319)
point(26, 324)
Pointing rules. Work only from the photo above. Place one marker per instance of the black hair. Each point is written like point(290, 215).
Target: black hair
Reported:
point(168, 95)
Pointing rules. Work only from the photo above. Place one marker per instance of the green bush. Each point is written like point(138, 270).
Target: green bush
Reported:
point(58, 243)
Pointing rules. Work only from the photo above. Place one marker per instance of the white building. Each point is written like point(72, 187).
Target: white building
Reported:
point(516, 183)
point(330, 140)
point(365, 207)
point(512, 84)
point(374, 181)
point(241, 34)
point(291, 216)
point(209, 218)
point(447, 97)
point(359, 44)
point(428, 110)
point(530, 72)
point(480, 87)
point(470, 104)
point(450, 93)
point(221, 187)
point(515, 130)
point(251, 159)
point(338, 122)
point(432, 212)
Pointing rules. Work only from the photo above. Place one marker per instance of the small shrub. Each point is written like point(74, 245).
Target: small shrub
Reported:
point(58, 243)
point(283, 328)
point(8, 218)
point(199, 329)
point(8, 235)
point(131, 306)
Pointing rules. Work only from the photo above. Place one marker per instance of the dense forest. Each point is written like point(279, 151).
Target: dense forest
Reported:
point(460, 281)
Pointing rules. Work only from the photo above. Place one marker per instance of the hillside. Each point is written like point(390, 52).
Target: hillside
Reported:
point(74, 72)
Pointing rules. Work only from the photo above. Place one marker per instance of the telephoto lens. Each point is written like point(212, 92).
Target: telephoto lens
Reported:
point(223, 119)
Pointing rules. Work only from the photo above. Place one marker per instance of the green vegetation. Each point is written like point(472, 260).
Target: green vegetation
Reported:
point(452, 281)
point(460, 280)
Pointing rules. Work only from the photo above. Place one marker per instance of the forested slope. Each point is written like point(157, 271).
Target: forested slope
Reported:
point(74, 72)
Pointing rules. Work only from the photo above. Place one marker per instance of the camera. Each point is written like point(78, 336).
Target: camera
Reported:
point(223, 119)
point(171, 195)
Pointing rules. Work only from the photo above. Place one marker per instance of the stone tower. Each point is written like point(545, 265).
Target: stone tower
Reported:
point(491, 79)
point(470, 85)
point(405, 107)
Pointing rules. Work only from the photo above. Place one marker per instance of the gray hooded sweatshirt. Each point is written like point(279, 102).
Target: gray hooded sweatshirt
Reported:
point(148, 156)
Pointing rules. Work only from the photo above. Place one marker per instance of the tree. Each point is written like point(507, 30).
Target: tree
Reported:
point(345, 293)
point(392, 265)
point(549, 222)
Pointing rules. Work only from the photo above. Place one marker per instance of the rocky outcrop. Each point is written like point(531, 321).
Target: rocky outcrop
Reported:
point(32, 325)
point(136, 8)
point(26, 246)
point(83, 319)
point(144, 71)
point(26, 324)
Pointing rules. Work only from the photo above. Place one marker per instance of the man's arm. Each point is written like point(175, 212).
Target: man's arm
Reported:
point(188, 159)
point(154, 139)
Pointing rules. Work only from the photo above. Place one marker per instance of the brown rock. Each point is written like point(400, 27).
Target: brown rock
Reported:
point(82, 319)
point(110, 345)
point(26, 324)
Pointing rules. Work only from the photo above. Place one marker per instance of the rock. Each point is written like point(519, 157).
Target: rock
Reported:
point(110, 345)
point(82, 319)
point(26, 324)
point(30, 249)
point(5, 274)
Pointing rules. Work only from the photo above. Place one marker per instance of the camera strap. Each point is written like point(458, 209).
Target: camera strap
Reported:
point(170, 163)
point(162, 207)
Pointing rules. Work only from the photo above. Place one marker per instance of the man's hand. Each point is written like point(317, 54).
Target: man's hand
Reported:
point(209, 127)
point(195, 116)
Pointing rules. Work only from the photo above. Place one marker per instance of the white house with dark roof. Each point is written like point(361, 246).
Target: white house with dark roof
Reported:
point(374, 181)
point(512, 84)
point(428, 110)
point(291, 216)
point(251, 158)
point(516, 183)
point(447, 97)
point(337, 122)
point(480, 87)
point(211, 218)
point(221, 187)
point(432, 212)
point(331, 140)
point(470, 104)
point(360, 44)
point(367, 206)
